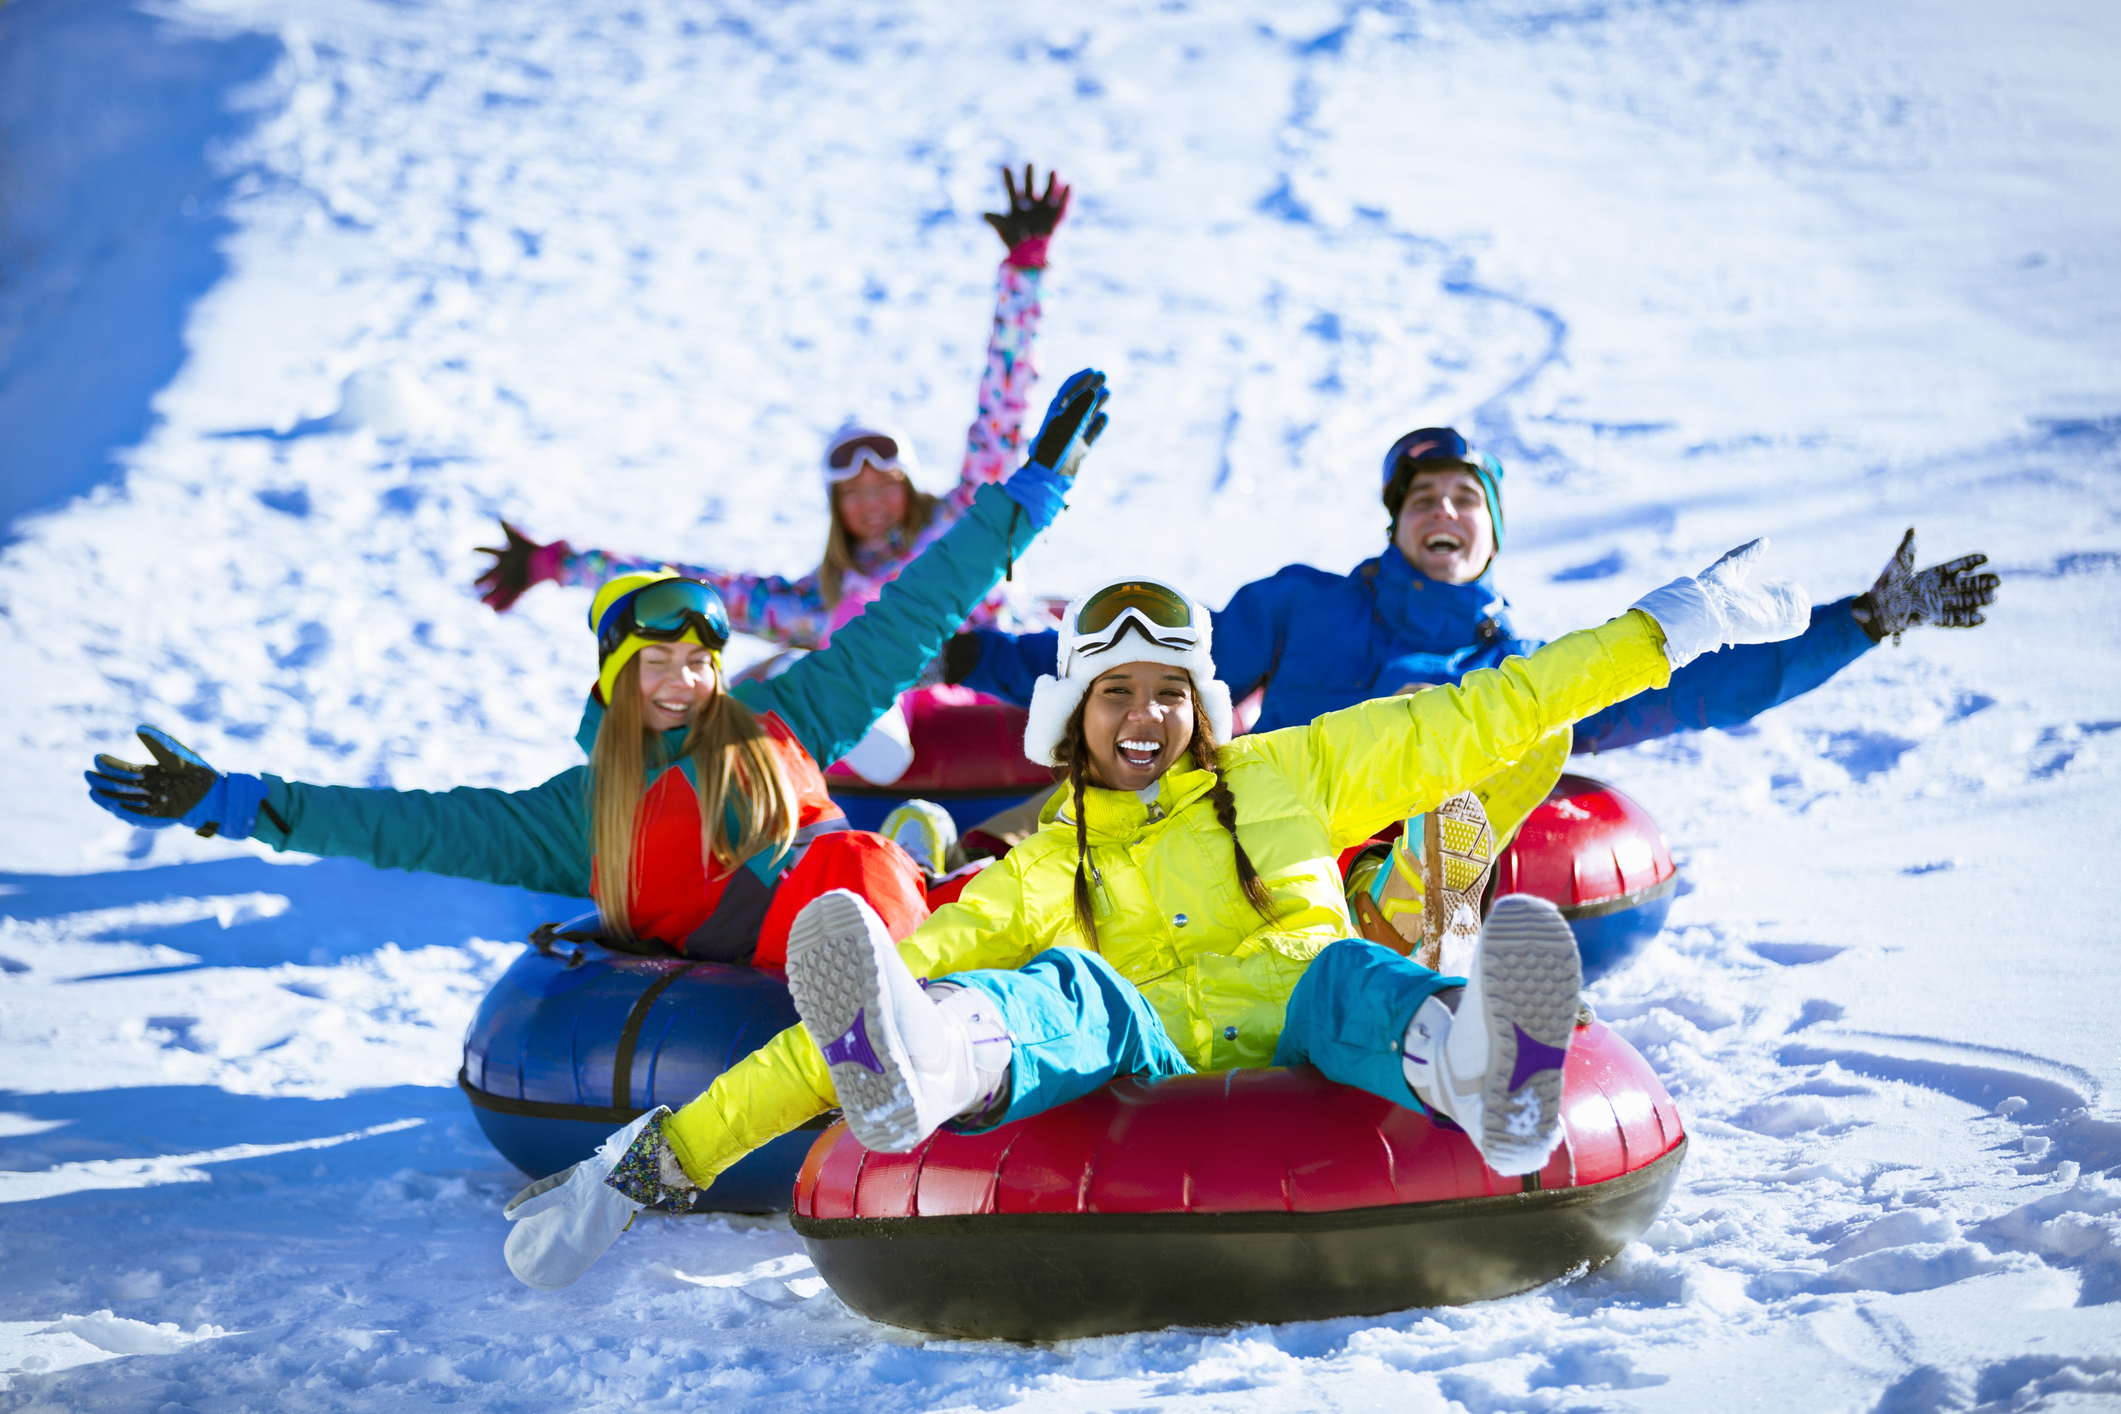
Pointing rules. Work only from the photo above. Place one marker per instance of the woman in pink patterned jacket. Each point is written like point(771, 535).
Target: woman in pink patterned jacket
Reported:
point(880, 519)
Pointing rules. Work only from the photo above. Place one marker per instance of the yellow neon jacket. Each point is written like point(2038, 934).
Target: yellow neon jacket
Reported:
point(1171, 916)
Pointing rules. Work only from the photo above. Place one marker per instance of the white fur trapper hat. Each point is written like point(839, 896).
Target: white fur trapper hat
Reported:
point(1054, 699)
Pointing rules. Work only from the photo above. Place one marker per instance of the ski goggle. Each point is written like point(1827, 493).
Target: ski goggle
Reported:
point(1441, 446)
point(1157, 612)
point(665, 612)
point(846, 460)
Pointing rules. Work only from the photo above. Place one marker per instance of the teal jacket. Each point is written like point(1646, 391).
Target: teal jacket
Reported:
point(539, 838)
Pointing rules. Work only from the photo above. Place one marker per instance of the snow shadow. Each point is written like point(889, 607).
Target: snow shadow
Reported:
point(1864, 754)
point(250, 913)
point(189, 1121)
point(112, 217)
point(1613, 563)
point(1977, 1075)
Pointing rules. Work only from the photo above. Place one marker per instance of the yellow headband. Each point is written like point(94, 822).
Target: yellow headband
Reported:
point(634, 643)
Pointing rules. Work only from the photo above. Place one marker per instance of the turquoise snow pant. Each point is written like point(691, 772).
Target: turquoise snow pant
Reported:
point(1077, 1024)
point(1348, 1016)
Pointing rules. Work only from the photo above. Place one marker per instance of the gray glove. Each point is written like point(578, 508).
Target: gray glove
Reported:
point(1945, 595)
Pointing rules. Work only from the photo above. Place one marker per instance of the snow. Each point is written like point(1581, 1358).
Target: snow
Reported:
point(296, 298)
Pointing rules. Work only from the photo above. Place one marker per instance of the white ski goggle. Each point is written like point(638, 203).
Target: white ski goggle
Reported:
point(1157, 612)
point(875, 449)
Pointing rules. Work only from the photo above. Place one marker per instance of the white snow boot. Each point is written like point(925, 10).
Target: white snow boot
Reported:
point(1495, 1065)
point(565, 1221)
point(902, 1063)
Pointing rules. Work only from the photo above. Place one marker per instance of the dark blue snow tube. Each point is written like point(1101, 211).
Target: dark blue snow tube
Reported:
point(576, 1040)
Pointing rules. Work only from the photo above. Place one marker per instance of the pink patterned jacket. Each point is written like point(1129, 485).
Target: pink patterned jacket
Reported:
point(792, 612)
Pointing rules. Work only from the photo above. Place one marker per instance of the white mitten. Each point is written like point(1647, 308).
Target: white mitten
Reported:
point(565, 1222)
point(1723, 604)
point(885, 751)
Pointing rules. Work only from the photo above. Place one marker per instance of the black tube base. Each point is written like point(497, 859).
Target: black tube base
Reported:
point(1060, 1276)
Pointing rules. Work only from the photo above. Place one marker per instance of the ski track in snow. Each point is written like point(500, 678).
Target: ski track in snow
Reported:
point(1697, 271)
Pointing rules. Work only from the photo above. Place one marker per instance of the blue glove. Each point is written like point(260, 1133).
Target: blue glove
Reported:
point(178, 789)
point(1074, 420)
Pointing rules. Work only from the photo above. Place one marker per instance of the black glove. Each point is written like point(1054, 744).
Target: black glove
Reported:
point(179, 788)
point(517, 565)
point(1029, 222)
point(1945, 595)
point(960, 658)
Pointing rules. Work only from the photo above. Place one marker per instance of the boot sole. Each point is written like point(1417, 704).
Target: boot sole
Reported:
point(839, 992)
point(1531, 977)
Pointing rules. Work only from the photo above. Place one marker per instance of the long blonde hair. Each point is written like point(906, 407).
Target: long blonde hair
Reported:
point(734, 767)
point(839, 552)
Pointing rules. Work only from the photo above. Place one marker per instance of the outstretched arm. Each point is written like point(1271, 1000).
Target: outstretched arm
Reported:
point(833, 696)
point(790, 612)
point(1733, 686)
point(994, 442)
point(1391, 757)
point(537, 839)
point(1382, 760)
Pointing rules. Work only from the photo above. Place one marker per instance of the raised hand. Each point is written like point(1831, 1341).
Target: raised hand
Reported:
point(517, 565)
point(1028, 224)
point(1074, 421)
point(179, 787)
point(1944, 595)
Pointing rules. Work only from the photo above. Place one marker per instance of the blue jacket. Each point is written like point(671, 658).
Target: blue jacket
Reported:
point(1319, 642)
point(540, 838)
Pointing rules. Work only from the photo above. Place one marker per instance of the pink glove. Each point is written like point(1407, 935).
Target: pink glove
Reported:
point(517, 565)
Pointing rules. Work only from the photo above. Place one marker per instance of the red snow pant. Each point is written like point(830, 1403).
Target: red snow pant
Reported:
point(866, 863)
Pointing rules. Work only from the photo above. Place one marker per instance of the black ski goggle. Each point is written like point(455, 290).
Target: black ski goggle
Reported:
point(663, 612)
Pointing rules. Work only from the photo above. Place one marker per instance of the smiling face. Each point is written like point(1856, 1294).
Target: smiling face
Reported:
point(1137, 722)
point(1444, 528)
point(870, 503)
point(675, 678)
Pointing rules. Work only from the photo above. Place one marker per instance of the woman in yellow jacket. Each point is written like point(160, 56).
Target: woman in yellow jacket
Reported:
point(1180, 908)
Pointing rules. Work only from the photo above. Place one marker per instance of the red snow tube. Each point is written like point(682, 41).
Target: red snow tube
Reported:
point(968, 757)
point(1250, 1195)
point(1601, 859)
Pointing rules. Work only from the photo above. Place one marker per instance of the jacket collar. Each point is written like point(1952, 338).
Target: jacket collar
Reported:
point(1429, 616)
point(1116, 816)
point(585, 734)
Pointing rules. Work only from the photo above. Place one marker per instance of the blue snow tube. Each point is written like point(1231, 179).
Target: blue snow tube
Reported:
point(577, 1039)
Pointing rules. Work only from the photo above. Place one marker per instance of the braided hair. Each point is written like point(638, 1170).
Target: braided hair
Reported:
point(1207, 754)
point(1074, 754)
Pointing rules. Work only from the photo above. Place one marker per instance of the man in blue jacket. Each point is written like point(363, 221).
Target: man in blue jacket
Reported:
point(1425, 611)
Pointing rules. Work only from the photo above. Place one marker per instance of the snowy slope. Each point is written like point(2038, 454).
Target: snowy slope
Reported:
point(1697, 272)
